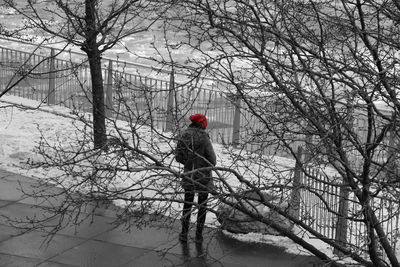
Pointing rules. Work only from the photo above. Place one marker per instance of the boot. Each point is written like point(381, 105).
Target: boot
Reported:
point(199, 235)
point(183, 237)
point(199, 239)
point(185, 229)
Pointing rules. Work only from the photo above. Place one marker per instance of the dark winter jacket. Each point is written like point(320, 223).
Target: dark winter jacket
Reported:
point(196, 143)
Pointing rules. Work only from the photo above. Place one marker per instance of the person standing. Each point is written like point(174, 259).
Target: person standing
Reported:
point(195, 151)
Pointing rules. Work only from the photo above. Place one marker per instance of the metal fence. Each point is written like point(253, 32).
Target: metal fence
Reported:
point(44, 78)
point(63, 78)
point(49, 79)
point(334, 211)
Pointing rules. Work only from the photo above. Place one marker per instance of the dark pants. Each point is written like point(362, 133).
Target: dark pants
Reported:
point(187, 210)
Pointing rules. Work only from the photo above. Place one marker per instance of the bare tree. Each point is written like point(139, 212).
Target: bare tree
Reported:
point(95, 26)
point(317, 75)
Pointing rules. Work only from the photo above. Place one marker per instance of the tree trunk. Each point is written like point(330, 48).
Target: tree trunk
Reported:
point(99, 122)
point(94, 56)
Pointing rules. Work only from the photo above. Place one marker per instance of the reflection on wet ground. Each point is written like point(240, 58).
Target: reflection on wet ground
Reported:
point(100, 243)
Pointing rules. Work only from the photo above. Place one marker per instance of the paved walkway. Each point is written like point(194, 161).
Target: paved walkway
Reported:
point(101, 244)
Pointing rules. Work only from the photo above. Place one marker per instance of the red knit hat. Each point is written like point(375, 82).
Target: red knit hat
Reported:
point(199, 119)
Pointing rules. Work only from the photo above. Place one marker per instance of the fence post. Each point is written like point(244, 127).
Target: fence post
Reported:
point(109, 96)
point(391, 171)
point(51, 96)
point(294, 207)
point(170, 105)
point(236, 123)
point(341, 225)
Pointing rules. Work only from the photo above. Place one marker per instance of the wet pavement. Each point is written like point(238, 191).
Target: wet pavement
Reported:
point(99, 243)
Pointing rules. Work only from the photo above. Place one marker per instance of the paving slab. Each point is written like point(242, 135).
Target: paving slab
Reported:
point(6, 175)
point(49, 202)
point(33, 245)
point(89, 227)
point(53, 199)
point(17, 261)
point(27, 184)
point(11, 190)
point(55, 264)
point(4, 203)
point(102, 208)
point(144, 237)
point(18, 214)
point(157, 259)
point(99, 254)
point(185, 258)
point(6, 232)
